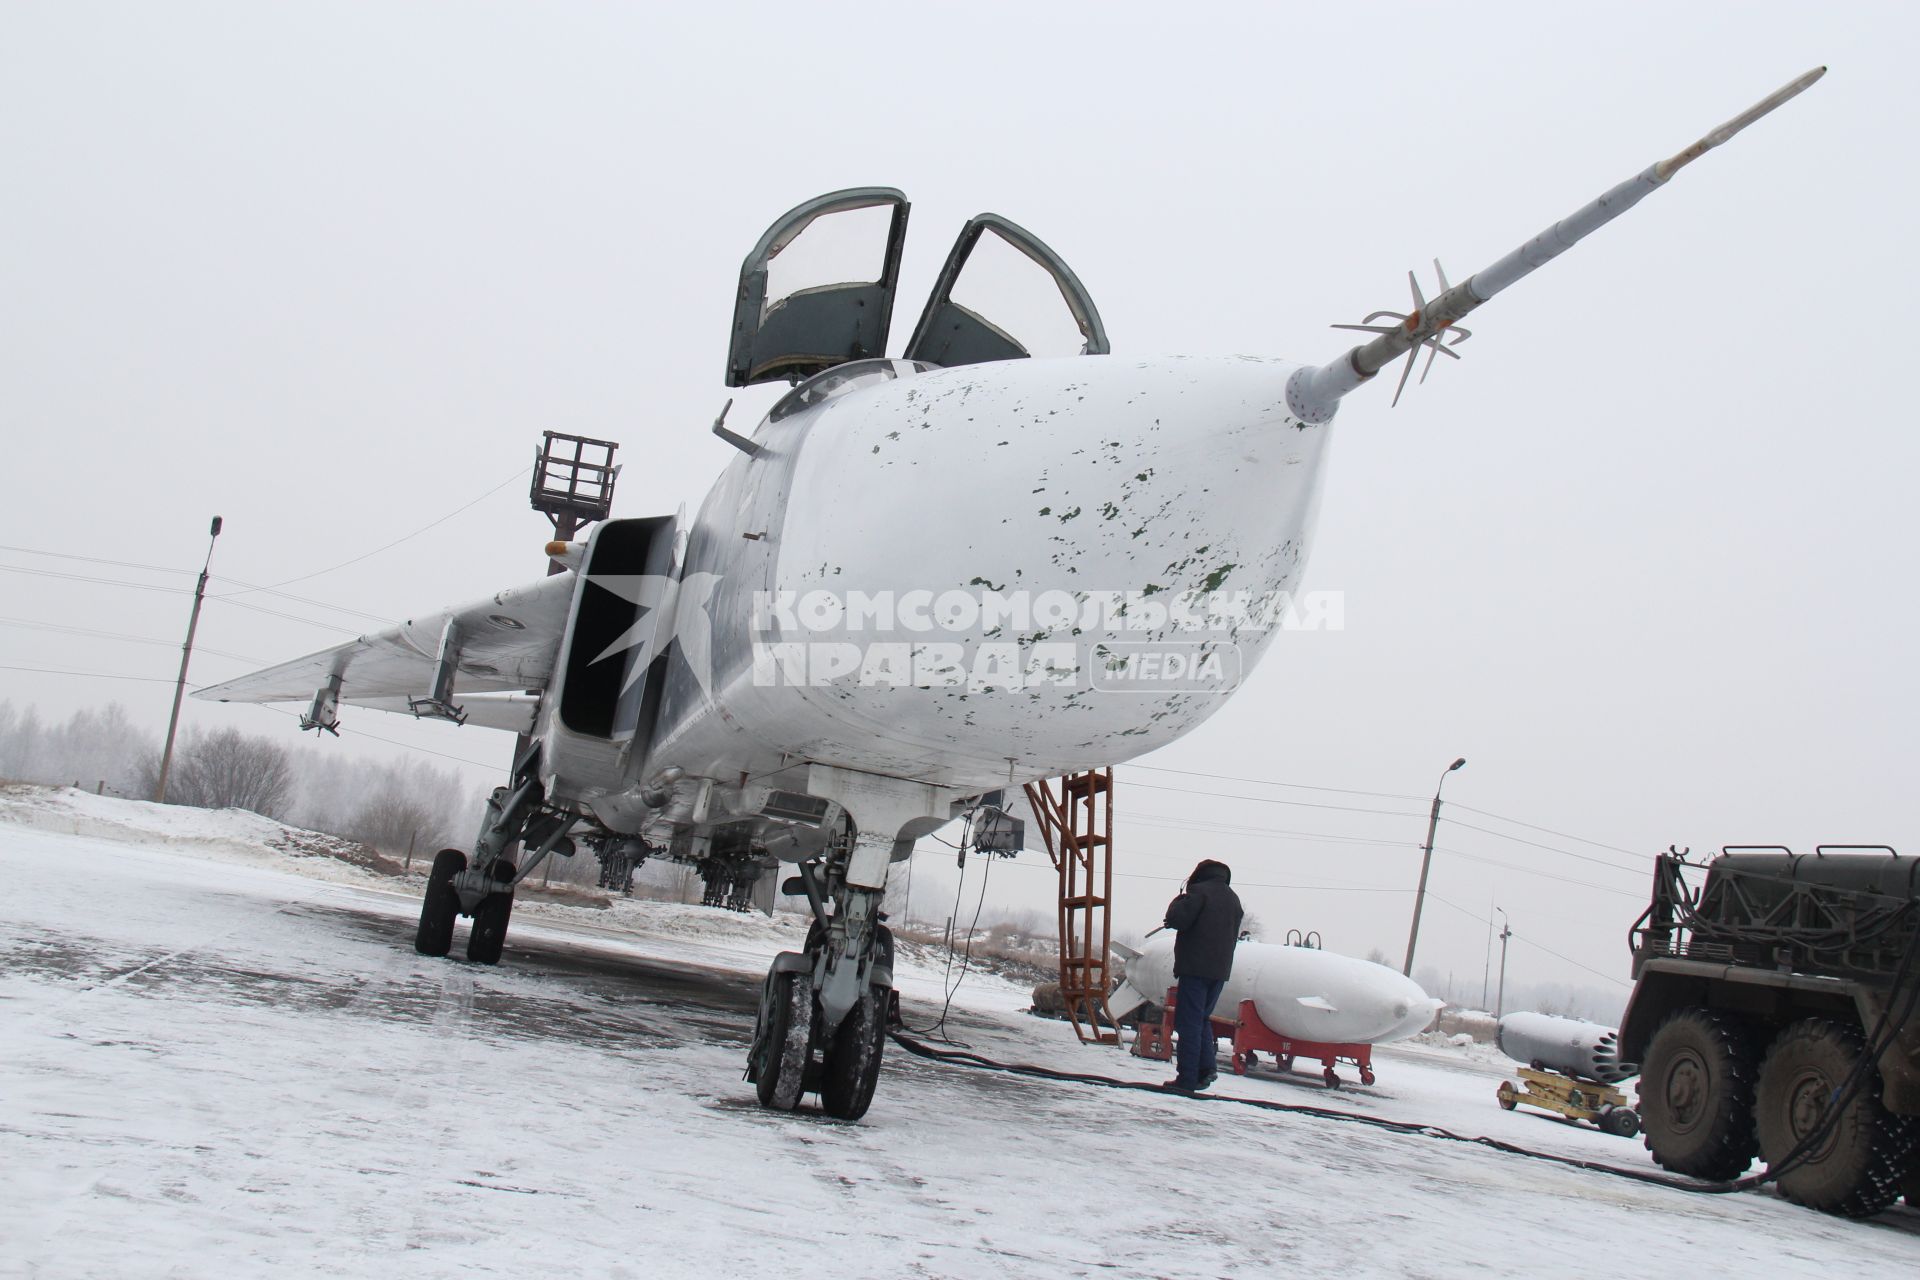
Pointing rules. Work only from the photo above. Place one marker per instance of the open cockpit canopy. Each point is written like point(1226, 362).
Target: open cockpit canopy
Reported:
point(817, 292)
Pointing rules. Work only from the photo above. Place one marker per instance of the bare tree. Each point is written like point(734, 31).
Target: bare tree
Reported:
point(227, 769)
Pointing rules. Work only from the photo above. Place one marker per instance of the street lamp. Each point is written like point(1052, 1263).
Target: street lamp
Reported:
point(186, 656)
point(1426, 862)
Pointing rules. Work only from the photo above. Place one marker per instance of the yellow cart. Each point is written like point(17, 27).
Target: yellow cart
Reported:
point(1598, 1104)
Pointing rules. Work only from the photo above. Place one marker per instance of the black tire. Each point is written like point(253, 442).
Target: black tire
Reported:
point(1696, 1095)
point(1856, 1171)
point(852, 1067)
point(489, 936)
point(1621, 1122)
point(780, 1075)
point(439, 905)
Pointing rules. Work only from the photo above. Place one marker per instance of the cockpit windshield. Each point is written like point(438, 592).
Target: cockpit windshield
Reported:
point(839, 380)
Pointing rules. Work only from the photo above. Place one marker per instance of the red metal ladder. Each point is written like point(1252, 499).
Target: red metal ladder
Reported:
point(1076, 821)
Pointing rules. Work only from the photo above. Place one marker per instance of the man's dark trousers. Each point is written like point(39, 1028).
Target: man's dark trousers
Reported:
point(1193, 1006)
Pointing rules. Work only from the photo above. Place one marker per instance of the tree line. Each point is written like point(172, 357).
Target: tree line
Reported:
point(390, 806)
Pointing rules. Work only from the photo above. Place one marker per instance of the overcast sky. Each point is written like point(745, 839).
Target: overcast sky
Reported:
point(1645, 557)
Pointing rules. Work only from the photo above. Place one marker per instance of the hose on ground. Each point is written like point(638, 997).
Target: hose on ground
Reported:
point(980, 1062)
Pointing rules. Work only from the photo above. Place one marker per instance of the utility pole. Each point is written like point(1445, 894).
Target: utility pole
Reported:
point(1426, 862)
point(1506, 931)
point(1486, 968)
point(186, 655)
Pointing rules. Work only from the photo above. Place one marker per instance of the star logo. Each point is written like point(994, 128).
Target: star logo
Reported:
point(668, 613)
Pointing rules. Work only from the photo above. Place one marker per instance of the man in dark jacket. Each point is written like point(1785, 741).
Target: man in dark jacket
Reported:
point(1207, 919)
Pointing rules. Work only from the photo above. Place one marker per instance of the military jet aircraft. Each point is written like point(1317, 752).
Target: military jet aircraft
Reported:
point(921, 579)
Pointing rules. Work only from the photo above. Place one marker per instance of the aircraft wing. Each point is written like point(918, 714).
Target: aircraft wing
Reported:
point(505, 643)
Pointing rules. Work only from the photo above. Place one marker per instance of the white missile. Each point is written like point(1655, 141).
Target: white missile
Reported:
point(1301, 992)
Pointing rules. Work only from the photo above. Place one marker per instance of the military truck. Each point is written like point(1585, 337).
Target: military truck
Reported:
point(1773, 1014)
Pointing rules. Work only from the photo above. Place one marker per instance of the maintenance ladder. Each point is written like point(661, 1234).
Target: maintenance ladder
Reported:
point(1076, 820)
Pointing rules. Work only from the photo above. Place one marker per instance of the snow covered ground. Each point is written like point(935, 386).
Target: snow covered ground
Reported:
point(219, 1056)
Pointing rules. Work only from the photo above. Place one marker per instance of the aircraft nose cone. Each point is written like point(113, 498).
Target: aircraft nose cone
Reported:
point(1148, 527)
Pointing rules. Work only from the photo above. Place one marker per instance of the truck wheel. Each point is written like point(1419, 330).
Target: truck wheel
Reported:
point(1696, 1095)
point(1855, 1171)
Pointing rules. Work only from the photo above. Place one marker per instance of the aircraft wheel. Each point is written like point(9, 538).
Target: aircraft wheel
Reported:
point(781, 1072)
point(852, 1068)
point(1855, 1170)
point(439, 905)
point(489, 936)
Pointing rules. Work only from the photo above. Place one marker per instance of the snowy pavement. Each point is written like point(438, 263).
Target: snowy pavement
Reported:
point(219, 1058)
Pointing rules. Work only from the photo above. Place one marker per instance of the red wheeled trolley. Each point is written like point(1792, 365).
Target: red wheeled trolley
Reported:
point(1250, 1037)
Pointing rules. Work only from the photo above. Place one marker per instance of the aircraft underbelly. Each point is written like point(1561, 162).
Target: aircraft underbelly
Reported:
point(950, 544)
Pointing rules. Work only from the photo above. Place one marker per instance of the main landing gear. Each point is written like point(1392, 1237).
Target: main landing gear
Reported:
point(823, 1011)
point(483, 888)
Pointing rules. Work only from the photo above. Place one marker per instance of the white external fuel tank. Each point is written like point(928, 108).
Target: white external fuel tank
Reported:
point(1298, 991)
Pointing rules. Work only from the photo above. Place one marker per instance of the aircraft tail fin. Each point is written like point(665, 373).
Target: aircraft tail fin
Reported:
point(1124, 999)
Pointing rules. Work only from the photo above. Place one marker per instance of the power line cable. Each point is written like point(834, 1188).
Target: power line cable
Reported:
point(1271, 782)
point(1532, 826)
point(1535, 871)
point(432, 524)
point(94, 675)
point(1302, 804)
point(155, 568)
point(62, 628)
point(103, 582)
point(1599, 862)
point(288, 595)
point(1383, 795)
point(118, 564)
point(1244, 884)
point(291, 617)
point(1517, 937)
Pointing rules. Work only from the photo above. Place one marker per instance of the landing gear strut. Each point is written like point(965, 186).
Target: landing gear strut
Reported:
point(823, 1012)
point(483, 887)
